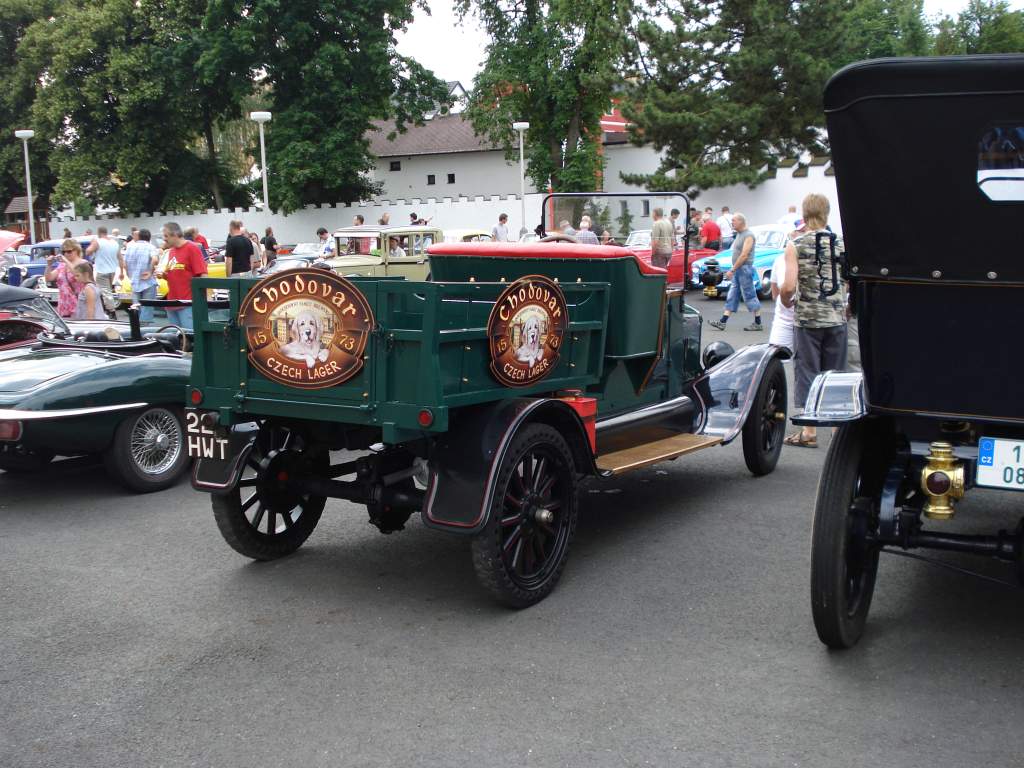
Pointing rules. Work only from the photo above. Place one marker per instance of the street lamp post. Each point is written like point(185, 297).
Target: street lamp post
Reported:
point(261, 118)
point(522, 127)
point(25, 136)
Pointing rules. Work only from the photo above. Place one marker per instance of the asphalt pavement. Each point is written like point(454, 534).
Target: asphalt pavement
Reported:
point(680, 635)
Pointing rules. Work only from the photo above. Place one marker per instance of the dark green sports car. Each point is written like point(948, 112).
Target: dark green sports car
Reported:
point(73, 391)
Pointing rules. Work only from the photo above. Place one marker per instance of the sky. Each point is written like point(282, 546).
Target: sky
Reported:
point(454, 49)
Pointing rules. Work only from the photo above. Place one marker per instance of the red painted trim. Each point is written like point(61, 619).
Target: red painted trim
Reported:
point(545, 251)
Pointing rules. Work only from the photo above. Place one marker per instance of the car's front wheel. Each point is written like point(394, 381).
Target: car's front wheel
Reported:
point(148, 453)
point(520, 554)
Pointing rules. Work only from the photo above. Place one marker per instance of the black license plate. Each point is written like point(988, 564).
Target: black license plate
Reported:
point(204, 442)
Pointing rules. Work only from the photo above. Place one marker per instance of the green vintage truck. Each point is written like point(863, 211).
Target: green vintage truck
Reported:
point(479, 399)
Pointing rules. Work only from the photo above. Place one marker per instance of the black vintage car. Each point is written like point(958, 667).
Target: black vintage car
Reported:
point(937, 412)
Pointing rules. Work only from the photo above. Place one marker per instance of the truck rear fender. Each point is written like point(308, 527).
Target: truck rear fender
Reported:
point(726, 391)
point(221, 477)
point(465, 460)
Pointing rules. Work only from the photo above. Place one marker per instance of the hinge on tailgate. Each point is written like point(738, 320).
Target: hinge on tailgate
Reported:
point(228, 329)
point(384, 336)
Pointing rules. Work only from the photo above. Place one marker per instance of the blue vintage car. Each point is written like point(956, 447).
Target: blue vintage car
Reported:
point(32, 264)
point(770, 241)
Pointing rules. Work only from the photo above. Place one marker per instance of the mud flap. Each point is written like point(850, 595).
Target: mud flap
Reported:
point(465, 460)
point(220, 475)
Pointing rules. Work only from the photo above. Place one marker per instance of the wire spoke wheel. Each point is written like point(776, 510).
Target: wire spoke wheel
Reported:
point(267, 515)
point(148, 451)
point(156, 441)
point(765, 427)
point(520, 554)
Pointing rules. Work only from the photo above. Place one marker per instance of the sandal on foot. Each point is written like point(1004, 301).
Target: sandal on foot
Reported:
point(798, 439)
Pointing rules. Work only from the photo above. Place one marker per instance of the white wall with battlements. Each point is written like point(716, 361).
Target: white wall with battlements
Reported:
point(761, 205)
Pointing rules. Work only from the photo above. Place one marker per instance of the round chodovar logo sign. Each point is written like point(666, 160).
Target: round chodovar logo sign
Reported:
point(306, 328)
point(525, 330)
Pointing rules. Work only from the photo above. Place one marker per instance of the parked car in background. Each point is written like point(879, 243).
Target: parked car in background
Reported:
point(28, 268)
point(769, 241)
point(367, 251)
point(124, 293)
point(639, 242)
point(467, 235)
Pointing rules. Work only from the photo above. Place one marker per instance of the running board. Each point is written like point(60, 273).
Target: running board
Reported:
point(623, 455)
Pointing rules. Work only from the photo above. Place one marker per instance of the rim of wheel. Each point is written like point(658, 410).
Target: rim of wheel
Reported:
point(534, 524)
point(857, 560)
point(772, 426)
point(263, 508)
point(156, 441)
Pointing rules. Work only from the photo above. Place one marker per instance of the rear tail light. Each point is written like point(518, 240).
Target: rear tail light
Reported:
point(196, 397)
point(10, 431)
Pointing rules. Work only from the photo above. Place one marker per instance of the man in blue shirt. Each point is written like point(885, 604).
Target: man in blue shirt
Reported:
point(140, 259)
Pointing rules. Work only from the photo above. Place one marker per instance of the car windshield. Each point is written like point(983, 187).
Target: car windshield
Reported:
point(281, 264)
point(38, 309)
point(770, 238)
point(311, 249)
point(639, 239)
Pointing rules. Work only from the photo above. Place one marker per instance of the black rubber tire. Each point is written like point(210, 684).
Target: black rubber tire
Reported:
point(491, 547)
point(763, 432)
point(245, 538)
point(122, 466)
point(839, 609)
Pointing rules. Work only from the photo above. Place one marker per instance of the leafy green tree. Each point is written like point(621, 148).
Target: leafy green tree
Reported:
point(328, 68)
point(728, 88)
point(119, 99)
point(555, 64)
point(984, 26)
point(17, 92)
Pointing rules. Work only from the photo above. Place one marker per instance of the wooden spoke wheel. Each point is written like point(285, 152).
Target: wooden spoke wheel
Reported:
point(844, 554)
point(765, 427)
point(521, 553)
point(267, 515)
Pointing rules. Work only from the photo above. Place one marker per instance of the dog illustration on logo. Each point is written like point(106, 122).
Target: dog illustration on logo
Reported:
point(305, 344)
point(530, 351)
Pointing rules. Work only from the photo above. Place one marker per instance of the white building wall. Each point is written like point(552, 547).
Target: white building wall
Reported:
point(625, 158)
point(476, 173)
point(762, 205)
point(301, 226)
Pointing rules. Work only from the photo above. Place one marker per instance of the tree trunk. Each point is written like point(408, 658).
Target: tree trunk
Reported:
point(211, 149)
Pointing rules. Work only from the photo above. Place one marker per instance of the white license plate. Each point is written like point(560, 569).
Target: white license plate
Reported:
point(1001, 463)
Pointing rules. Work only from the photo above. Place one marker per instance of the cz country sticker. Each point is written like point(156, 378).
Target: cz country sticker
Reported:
point(306, 328)
point(525, 330)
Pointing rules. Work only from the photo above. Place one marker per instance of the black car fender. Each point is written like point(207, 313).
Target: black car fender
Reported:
point(725, 393)
point(464, 461)
point(220, 477)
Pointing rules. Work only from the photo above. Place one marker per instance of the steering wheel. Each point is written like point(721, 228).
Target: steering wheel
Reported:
point(180, 331)
point(558, 237)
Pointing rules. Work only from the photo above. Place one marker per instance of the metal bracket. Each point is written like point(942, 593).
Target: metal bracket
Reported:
point(889, 506)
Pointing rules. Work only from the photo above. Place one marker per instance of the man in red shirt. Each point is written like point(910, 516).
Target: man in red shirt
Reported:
point(184, 262)
point(201, 239)
point(710, 235)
